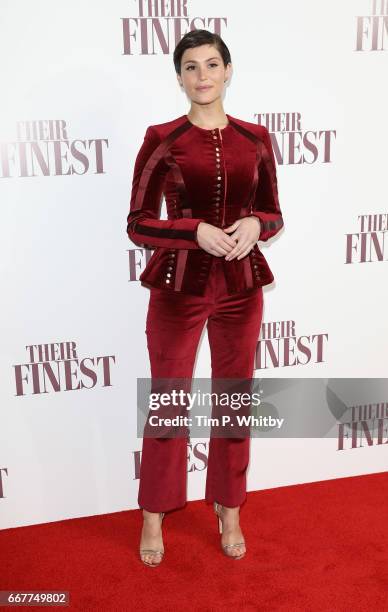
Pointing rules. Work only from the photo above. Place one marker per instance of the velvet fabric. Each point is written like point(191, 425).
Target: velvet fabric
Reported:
point(216, 176)
point(174, 325)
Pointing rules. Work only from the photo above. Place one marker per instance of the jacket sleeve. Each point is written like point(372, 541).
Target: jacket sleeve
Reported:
point(144, 226)
point(266, 203)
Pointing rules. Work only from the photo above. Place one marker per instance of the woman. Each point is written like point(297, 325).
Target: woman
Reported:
point(218, 176)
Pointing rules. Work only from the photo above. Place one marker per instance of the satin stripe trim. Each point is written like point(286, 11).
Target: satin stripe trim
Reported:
point(153, 160)
point(180, 268)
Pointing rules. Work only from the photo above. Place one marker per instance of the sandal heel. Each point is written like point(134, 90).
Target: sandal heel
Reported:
point(217, 510)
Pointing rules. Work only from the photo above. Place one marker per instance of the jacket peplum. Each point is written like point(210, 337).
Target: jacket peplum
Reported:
point(216, 176)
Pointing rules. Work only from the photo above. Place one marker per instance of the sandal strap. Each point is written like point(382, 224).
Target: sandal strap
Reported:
point(233, 545)
point(152, 551)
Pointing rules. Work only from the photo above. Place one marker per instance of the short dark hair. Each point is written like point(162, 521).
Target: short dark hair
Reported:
point(197, 38)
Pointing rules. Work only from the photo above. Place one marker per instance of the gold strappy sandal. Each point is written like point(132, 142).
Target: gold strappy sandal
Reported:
point(144, 552)
point(227, 547)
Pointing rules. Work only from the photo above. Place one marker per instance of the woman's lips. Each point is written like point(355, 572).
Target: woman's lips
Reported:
point(204, 88)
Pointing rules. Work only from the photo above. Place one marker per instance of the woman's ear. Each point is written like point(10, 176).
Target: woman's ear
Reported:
point(228, 72)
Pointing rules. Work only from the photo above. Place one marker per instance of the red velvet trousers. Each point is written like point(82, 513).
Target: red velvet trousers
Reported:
point(174, 325)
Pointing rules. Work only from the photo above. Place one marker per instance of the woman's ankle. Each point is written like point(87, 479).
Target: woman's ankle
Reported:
point(151, 517)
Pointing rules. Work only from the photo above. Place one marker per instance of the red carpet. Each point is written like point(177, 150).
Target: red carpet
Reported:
point(319, 546)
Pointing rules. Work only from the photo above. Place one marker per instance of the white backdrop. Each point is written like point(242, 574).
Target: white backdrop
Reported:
point(70, 274)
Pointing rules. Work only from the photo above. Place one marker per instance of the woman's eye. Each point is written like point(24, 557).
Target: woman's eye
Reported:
point(192, 66)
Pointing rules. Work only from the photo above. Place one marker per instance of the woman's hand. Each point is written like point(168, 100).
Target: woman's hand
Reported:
point(246, 233)
point(214, 240)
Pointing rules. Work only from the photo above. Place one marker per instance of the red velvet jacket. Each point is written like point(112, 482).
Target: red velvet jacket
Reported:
point(216, 176)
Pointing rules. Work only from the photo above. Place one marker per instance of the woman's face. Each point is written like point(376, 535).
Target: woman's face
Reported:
point(203, 73)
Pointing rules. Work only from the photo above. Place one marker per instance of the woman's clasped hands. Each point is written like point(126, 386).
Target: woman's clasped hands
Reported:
point(245, 233)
